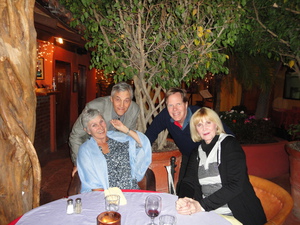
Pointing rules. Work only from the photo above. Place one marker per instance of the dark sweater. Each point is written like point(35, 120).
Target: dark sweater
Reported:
point(236, 190)
point(182, 138)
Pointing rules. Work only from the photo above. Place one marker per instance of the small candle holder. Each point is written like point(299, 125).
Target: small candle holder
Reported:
point(109, 218)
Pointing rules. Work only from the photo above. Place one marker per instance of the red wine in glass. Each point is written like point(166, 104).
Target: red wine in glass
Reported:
point(153, 213)
point(153, 207)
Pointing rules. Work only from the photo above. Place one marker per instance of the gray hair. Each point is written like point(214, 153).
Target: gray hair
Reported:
point(121, 86)
point(89, 114)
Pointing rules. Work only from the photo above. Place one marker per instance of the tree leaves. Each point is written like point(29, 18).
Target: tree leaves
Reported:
point(152, 37)
point(272, 30)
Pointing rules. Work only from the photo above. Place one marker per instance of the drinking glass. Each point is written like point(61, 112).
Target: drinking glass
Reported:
point(153, 207)
point(112, 202)
point(167, 220)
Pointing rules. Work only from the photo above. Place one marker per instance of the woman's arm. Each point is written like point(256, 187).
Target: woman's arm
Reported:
point(121, 127)
point(190, 186)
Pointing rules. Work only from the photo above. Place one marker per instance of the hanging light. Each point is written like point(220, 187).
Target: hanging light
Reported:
point(59, 40)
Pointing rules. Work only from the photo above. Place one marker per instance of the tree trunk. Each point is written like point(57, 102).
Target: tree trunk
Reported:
point(262, 107)
point(151, 102)
point(217, 92)
point(20, 169)
point(263, 104)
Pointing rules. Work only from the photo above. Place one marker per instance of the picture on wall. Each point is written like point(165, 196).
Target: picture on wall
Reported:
point(40, 69)
point(291, 86)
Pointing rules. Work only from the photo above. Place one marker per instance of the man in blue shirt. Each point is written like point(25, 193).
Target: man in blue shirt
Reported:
point(176, 118)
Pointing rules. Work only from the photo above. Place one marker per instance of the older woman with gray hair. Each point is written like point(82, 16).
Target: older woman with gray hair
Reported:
point(111, 158)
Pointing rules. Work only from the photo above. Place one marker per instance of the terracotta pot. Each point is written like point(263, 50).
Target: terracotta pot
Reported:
point(267, 160)
point(294, 155)
point(159, 161)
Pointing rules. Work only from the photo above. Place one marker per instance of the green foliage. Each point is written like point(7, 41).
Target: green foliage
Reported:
point(272, 29)
point(160, 41)
point(248, 129)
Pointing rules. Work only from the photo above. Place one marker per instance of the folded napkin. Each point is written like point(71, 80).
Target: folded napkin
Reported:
point(116, 191)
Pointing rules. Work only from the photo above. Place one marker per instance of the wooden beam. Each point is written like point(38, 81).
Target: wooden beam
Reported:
point(45, 20)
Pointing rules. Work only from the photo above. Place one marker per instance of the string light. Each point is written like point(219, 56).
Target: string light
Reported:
point(45, 50)
point(208, 79)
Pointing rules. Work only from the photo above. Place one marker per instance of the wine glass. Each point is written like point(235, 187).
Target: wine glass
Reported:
point(153, 207)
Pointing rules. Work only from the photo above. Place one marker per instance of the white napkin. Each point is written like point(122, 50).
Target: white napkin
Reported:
point(116, 191)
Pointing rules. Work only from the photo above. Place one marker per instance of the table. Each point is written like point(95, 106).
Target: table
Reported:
point(54, 213)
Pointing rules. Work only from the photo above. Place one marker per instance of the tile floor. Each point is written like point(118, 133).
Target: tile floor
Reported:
point(56, 176)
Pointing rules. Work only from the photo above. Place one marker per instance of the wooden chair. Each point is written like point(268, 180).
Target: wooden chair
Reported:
point(277, 202)
point(147, 183)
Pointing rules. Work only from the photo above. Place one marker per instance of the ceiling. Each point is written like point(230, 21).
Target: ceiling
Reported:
point(52, 20)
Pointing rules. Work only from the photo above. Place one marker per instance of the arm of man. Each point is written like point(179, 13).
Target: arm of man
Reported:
point(227, 129)
point(77, 137)
point(158, 125)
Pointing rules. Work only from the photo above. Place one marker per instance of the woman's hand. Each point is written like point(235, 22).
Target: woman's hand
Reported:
point(119, 126)
point(187, 206)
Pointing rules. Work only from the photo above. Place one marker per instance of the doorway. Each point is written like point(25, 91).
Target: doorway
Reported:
point(62, 78)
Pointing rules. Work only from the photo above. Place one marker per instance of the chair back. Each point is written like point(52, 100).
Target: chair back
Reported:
point(147, 183)
point(276, 202)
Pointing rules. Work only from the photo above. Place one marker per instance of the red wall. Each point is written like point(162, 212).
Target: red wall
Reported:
point(51, 53)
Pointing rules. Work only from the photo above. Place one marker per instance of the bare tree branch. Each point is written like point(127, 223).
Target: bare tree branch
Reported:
point(268, 30)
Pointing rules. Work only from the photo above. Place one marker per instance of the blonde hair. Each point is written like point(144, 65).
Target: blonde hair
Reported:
point(198, 116)
point(175, 90)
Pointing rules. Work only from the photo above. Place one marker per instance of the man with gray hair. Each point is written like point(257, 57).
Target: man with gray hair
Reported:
point(118, 105)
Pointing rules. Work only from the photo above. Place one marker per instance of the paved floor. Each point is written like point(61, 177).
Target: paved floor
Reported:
point(56, 177)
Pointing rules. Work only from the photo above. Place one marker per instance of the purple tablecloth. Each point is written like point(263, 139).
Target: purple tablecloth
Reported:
point(54, 213)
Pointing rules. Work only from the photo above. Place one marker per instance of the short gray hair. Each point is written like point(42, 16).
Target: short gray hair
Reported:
point(89, 114)
point(121, 86)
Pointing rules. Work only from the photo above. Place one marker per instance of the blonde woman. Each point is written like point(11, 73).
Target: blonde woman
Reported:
point(216, 177)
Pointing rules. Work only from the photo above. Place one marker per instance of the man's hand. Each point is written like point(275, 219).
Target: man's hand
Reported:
point(74, 170)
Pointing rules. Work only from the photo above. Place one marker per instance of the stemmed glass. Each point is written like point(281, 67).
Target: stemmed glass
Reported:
point(153, 207)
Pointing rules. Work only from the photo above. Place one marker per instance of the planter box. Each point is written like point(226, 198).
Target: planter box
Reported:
point(294, 155)
point(159, 161)
point(267, 160)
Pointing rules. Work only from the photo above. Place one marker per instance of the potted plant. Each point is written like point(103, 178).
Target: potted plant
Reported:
point(162, 158)
point(265, 154)
point(293, 149)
